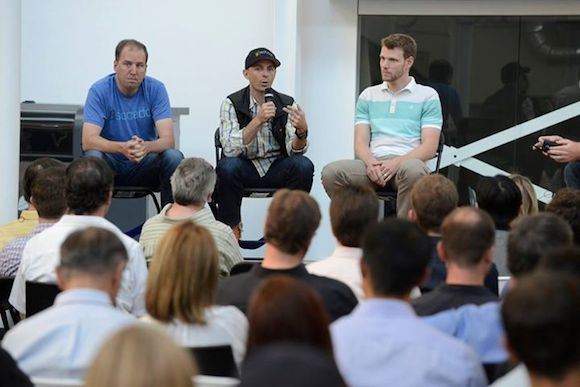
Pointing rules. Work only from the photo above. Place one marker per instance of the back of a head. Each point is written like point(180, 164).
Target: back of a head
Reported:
point(565, 259)
point(467, 234)
point(541, 317)
point(285, 309)
point(396, 253)
point(290, 365)
point(89, 182)
point(352, 210)
point(48, 193)
point(533, 236)
point(500, 197)
point(32, 171)
point(529, 198)
point(183, 275)
point(141, 356)
point(566, 203)
point(193, 182)
point(292, 220)
point(91, 251)
point(440, 70)
point(433, 197)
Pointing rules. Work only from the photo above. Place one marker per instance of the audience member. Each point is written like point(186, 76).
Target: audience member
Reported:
point(28, 219)
point(397, 129)
point(127, 123)
point(529, 198)
point(565, 259)
point(283, 309)
point(141, 356)
point(88, 185)
point(383, 342)
point(48, 197)
point(500, 197)
point(566, 203)
point(181, 292)
point(62, 340)
point(352, 210)
point(192, 185)
point(264, 138)
point(466, 247)
point(567, 151)
point(11, 375)
point(292, 220)
point(541, 316)
point(290, 365)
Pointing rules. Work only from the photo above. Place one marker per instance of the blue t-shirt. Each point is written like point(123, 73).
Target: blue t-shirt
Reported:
point(122, 117)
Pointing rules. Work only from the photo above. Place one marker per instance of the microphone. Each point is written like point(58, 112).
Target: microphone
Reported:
point(269, 97)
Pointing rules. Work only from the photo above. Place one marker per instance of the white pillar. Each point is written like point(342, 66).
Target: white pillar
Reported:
point(10, 12)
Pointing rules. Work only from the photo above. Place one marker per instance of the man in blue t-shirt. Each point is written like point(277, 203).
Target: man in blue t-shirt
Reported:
point(128, 123)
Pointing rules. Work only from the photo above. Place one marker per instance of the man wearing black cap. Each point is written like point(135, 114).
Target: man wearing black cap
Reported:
point(264, 136)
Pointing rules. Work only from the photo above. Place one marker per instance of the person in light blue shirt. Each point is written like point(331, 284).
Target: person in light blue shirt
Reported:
point(61, 341)
point(127, 122)
point(383, 342)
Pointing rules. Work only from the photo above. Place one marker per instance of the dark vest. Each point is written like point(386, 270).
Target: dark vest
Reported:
point(241, 101)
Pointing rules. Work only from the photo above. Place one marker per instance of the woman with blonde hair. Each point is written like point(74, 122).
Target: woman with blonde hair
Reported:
point(181, 290)
point(141, 356)
point(529, 198)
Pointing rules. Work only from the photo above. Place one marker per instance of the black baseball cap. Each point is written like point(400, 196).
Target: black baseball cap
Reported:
point(261, 53)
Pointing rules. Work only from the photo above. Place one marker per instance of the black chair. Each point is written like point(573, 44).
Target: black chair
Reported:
point(136, 192)
point(389, 196)
point(39, 296)
point(215, 360)
point(249, 192)
point(243, 267)
point(5, 308)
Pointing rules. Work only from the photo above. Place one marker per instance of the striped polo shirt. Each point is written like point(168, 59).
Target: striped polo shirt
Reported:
point(396, 119)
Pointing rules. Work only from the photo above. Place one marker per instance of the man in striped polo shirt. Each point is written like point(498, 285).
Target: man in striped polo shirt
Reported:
point(397, 127)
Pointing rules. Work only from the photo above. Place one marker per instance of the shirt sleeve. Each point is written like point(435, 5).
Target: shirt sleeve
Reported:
point(17, 296)
point(362, 115)
point(161, 108)
point(431, 116)
point(231, 135)
point(95, 111)
point(290, 135)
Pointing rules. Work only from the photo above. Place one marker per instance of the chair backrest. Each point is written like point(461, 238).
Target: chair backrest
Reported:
point(214, 381)
point(6, 310)
point(55, 382)
point(218, 145)
point(215, 360)
point(243, 267)
point(39, 296)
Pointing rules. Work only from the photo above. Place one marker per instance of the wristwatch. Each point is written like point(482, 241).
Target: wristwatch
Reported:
point(302, 135)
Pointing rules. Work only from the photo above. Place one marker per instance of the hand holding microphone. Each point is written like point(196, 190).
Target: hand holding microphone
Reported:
point(268, 108)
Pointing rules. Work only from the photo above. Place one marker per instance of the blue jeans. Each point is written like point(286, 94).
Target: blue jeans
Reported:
point(154, 171)
point(572, 174)
point(234, 173)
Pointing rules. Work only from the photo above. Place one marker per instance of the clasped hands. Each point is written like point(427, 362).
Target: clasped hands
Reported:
point(135, 149)
point(381, 171)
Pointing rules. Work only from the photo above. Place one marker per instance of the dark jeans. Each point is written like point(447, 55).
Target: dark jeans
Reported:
point(572, 174)
point(234, 174)
point(154, 171)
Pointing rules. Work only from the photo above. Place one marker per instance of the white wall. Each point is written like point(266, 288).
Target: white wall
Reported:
point(197, 49)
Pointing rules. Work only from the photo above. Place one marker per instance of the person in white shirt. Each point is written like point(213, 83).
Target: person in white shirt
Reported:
point(61, 341)
point(89, 184)
point(352, 210)
point(181, 292)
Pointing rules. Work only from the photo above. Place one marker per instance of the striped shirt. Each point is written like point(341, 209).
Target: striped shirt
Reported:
point(11, 255)
point(264, 149)
point(155, 228)
point(397, 118)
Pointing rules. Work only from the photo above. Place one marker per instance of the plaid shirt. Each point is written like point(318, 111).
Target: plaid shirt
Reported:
point(11, 255)
point(263, 150)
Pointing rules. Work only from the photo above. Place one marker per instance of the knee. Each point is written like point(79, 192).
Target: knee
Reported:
point(302, 165)
point(94, 153)
point(412, 170)
point(330, 172)
point(228, 167)
point(171, 157)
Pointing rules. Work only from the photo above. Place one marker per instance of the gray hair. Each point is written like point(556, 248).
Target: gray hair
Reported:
point(92, 250)
point(193, 182)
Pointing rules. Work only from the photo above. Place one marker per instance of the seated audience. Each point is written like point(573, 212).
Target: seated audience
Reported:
point(292, 220)
point(28, 219)
point(541, 316)
point(141, 356)
point(88, 184)
point(285, 309)
point(383, 342)
point(352, 210)
point(11, 375)
point(192, 185)
point(61, 341)
point(466, 247)
point(181, 292)
point(48, 197)
point(290, 365)
point(566, 203)
point(529, 198)
point(500, 197)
